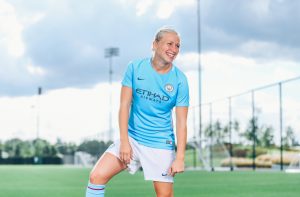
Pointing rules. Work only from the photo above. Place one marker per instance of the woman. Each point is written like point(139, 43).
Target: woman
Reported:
point(151, 88)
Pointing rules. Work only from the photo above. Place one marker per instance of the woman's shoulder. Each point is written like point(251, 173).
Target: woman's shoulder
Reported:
point(139, 63)
point(179, 73)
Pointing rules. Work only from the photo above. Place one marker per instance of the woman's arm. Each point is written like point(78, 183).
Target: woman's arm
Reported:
point(125, 103)
point(181, 133)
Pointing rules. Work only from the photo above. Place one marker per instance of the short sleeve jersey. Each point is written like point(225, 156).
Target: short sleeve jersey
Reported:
point(153, 97)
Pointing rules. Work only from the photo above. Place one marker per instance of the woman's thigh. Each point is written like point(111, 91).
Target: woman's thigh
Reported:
point(163, 189)
point(105, 168)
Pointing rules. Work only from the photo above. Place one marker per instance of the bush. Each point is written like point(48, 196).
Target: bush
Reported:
point(287, 158)
point(31, 160)
point(247, 151)
point(245, 163)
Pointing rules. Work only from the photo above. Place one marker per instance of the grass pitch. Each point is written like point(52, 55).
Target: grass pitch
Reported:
point(62, 181)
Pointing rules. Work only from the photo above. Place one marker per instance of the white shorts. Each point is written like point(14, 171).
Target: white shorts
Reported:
point(155, 162)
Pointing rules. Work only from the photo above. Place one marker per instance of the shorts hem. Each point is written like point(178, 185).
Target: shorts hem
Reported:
point(112, 153)
point(159, 180)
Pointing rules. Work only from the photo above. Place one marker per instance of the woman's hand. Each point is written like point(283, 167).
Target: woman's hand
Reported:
point(176, 167)
point(125, 152)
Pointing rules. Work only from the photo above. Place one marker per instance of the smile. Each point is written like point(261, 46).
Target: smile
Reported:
point(171, 55)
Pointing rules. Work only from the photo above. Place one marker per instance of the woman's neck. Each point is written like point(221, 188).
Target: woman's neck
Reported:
point(160, 67)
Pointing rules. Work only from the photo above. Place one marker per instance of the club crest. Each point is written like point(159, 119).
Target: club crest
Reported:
point(169, 87)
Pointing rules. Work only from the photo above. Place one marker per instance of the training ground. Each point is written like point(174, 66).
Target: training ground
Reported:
point(64, 181)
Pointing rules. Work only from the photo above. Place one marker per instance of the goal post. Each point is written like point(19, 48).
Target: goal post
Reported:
point(210, 154)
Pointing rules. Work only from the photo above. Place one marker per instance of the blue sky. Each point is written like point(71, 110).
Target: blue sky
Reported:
point(60, 45)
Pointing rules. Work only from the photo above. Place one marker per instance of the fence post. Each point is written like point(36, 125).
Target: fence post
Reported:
point(280, 122)
point(211, 137)
point(253, 131)
point(194, 149)
point(230, 134)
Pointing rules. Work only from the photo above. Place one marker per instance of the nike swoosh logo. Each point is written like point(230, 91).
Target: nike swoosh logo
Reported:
point(164, 174)
point(140, 78)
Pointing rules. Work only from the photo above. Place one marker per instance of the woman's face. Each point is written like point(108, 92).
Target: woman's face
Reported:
point(167, 48)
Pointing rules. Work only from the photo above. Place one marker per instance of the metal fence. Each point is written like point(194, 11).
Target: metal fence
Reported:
point(262, 124)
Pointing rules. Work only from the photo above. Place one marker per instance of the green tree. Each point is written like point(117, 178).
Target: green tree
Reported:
point(249, 133)
point(289, 139)
point(267, 136)
point(208, 132)
point(65, 148)
point(215, 130)
point(93, 147)
point(12, 147)
point(218, 130)
point(1, 148)
point(43, 148)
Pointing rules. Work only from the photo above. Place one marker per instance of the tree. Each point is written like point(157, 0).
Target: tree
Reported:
point(43, 148)
point(267, 137)
point(249, 133)
point(26, 149)
point(93, 147)
point(65, 148)
point(289, 139)
point(214, 130)
point(208, 131)
point(12, 147)
point(264, 135)
point(218, 130)
point(1, 148)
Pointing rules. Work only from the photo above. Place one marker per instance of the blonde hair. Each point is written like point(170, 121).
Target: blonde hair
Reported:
point(161, 31)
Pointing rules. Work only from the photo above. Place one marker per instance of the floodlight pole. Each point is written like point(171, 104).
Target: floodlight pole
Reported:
point(110, 53)
point(199, 70)
point(38, 113)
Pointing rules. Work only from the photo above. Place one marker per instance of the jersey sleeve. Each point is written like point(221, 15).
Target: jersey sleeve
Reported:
point(183, 98)
point(128, 76)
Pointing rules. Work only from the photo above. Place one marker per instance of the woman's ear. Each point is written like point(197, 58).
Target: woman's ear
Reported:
point(154, 45)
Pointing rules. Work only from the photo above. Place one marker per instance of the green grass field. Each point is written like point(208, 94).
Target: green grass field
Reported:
point(61, 181)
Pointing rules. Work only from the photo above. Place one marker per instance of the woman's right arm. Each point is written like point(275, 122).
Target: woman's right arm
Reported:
point(125, 103)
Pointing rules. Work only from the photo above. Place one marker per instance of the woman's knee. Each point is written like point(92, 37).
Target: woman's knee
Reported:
point(106, 167)
point(98, 177)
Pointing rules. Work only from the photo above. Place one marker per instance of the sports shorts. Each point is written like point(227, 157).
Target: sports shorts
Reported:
point(154, 162)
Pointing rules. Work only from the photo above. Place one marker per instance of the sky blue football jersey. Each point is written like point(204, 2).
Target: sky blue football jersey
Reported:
point(153, 97)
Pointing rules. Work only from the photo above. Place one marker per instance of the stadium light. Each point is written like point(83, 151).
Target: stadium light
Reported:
point(38, 113)
point(110, 53)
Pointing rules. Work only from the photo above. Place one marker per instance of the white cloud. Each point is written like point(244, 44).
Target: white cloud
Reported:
point(266, 50)
point(35, 70)
point(70, 114)
point(261, 8)
point(16, 68)
point(167, 7)
point(286, 70)
point(32, 18)
point(187, 61)
point(222, 62)
point(165, 10)
point(239, 73)
point(142, 7)
point(11, 29)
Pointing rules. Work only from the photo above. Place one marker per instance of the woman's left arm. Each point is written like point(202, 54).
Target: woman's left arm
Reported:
point(181, 134)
